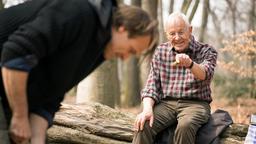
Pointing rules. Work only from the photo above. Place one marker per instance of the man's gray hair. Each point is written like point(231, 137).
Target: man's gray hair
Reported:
point(175, 15)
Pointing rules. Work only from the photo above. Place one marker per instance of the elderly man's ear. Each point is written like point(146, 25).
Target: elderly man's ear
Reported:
point(190, 29)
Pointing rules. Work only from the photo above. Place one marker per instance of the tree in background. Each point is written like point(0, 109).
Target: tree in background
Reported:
point(252, 16)
point(1, 5)
point(240, 61)
point(228, 18)
point(135, 70)
point(101, 86)
point(130, 82)
point(206, 6)
point(151, 6)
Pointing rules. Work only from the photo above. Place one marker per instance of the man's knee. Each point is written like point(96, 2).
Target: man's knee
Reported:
point(147, 131)
point(146, 128)
point(186, 125)
point(144, 136)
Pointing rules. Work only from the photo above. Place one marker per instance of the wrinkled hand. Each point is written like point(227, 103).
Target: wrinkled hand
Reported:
point(20, 131)
point(184, 60)
point(142, 118)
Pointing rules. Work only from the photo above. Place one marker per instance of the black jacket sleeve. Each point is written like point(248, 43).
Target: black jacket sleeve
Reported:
point(31, 42)
point(42, 36)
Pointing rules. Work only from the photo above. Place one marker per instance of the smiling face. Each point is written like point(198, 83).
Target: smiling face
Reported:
point(124, 46)
point(178, 33)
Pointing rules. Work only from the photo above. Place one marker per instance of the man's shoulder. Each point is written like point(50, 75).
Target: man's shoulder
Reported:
point(203, 46)
point(163, 47)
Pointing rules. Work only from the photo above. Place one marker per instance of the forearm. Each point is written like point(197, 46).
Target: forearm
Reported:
point(148, 103)
point(15, 83)
point(198, 71)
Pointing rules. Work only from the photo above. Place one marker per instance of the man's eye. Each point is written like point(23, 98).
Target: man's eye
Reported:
point(181, 33)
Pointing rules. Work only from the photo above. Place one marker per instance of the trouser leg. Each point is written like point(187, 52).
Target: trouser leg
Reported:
point(164, 116)
point(191, 116)
point(4, 137)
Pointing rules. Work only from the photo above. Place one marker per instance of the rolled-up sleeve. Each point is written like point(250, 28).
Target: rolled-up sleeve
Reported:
point(152, 88)
point(209, 63)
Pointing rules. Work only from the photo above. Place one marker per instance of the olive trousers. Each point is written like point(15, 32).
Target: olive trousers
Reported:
point(188, 115)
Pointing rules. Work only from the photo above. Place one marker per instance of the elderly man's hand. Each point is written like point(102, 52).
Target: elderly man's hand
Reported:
point(142, 118)
point(184, 60)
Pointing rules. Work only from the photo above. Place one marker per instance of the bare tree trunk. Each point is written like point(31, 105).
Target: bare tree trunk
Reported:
point(171, 6)
point(130, 83)
point(232, 6)
point(130, 77)
point(136, 3)
point(204, 20)
point(216, 23)
point(252, 79)
point(162, 37)
point(185, 6)
point(119, 71)
point(151, 7)
point(252, 16)
point(120, 1)
point(252, 23)
point(1, 4)
point(100, 86)
point(193, 10)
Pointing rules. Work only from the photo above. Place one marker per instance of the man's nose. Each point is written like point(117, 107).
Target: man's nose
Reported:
point(176, 36)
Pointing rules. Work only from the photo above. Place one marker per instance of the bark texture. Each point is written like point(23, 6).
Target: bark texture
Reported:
point(94, 123)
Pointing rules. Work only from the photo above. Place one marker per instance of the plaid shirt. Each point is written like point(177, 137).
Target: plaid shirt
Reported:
point(177, 82)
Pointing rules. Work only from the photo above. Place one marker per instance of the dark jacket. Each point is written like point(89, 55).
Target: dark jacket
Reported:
point(58, 42)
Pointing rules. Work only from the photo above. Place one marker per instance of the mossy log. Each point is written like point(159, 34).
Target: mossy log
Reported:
point(94, 123)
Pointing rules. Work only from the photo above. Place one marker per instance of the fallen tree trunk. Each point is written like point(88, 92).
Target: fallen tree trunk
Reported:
point(99, 124)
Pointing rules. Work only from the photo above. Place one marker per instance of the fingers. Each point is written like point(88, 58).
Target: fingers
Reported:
point(20, 131)
point(183, 59)
point(19, 141)
point(19, 136)
point(136, 125)
point(140, 122)
point(151, 121)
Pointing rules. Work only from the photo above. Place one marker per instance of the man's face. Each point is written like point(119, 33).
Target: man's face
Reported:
point(126, 46)
point(178, 33)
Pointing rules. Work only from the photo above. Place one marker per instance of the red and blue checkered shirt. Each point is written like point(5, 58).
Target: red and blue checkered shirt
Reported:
point(178, 82)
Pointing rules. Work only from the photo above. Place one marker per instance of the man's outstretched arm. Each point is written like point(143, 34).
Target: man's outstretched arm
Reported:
point(15, 84)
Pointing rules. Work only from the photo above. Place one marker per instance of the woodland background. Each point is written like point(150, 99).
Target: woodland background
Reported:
point(227, 25)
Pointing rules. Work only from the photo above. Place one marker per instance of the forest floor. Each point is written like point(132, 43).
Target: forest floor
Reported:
point(240, 110)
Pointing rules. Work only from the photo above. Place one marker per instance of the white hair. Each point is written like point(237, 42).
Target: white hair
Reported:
point(176, 15)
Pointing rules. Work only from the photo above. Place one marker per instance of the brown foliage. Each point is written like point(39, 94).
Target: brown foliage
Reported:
point(241, 53)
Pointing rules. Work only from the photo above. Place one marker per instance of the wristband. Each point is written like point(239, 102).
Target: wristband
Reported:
point(191, 65)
